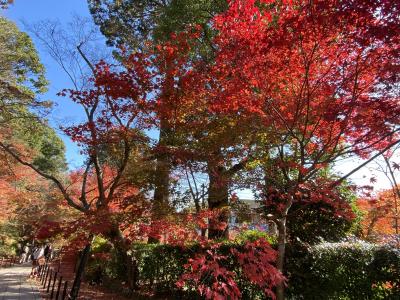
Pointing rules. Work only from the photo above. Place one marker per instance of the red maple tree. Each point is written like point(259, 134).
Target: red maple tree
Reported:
point(379, 214)
point(320, 75)
point(315, 81)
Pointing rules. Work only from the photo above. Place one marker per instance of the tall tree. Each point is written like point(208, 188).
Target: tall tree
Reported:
point(22, 125)
point(111, 121)
point(132, 24)
point(21, 74)
point(107, 124)
point(22, 81)
point(322, 77)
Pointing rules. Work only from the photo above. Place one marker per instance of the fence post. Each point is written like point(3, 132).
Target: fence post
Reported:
point(45, 279)
point(2, 259)
point(79, 273)
point(43, 270)
point(54, 284)
point(48, 284)
point(59, 287)
point(42, 274)
point(65, 290)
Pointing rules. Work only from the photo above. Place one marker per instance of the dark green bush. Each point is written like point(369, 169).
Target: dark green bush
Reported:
point(104, 264)
point(356, 270)
point(8, 250)
point(161, 266)
point(313, 222)
point(343, 271)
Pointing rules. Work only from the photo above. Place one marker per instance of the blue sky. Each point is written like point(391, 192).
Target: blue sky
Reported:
point(30, 11)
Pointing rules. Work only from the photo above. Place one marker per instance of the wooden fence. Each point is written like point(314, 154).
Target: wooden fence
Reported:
point(8, 261)
point(49, 278)
point(52, 282)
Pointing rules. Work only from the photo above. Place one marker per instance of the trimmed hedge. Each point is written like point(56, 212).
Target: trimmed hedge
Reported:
point(161, 266)
point(344, 270)
point(347, 270)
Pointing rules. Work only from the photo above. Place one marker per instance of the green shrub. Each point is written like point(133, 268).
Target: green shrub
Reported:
point(8, 250)
point(104, 263)
point(161, 266)
point(100, 244)
point(345, 270)
point(253, 235)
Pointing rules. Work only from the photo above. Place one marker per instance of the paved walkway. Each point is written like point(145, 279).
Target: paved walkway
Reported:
point(14, 284)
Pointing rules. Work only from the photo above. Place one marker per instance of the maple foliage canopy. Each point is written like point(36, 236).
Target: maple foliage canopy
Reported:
point(379, 214)
point(292, 87)
point(322, 73)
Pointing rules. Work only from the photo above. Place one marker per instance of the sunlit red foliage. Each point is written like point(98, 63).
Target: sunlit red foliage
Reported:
point(322, 68)
point(178, 228)
point(319, 191)
point(379, 214)
point(257, 260)
point(209, 272)
point(128, 209)
point(313, 80)
point(48, 229)
point(25, 197)
point(210, 277)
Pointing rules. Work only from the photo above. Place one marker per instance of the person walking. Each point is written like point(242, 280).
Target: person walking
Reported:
point(48, 252)
point(24, 255)
point(37, 254)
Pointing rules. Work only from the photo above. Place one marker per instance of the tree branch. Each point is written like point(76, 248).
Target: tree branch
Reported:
point(60, 186)
point(343, 178)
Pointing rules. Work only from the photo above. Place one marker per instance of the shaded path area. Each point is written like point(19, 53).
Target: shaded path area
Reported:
point(14, 284)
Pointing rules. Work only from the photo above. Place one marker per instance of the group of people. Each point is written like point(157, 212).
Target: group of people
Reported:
point(39, 255)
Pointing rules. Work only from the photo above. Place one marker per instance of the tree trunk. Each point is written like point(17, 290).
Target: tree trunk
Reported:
point(163, 169)
point(281, 224)
point(282, 228)
point(161, 182)
point(130, 266)
point(218, 198)
point(73, 295)
point(161, 177)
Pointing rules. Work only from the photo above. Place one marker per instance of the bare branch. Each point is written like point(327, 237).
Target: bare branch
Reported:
point(343, 178)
